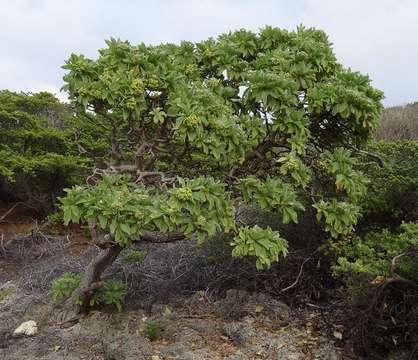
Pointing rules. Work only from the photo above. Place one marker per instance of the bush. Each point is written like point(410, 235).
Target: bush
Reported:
point(378, 266)
point(372, 254)
point(63, 287)
point(135, 256)
point(152, 330)
point(261, 119)
point(111, 293)
point(392, 195)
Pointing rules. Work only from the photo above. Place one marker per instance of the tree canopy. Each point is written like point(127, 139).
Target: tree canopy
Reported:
point(267, 119)
point(38, 156)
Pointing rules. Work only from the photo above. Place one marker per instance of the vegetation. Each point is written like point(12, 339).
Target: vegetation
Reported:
point(399, 123)
point(152, 330)
point(63, 287)
point(268, 119)
point(111, 292)
point(37, 156)
point(135, 256)
point(171, 142)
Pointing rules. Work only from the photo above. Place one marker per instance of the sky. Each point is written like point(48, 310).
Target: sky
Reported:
point(377, 37)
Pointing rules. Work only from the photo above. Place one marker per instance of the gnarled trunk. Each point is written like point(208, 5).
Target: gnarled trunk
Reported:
point(109, 252)
point(92, 276)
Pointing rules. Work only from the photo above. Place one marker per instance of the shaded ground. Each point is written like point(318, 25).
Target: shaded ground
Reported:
point(179, 286)
point(193, 327)
point(168, 287)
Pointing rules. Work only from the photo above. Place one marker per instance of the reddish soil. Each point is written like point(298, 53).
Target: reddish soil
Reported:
point(18, 221)
point(21, 220)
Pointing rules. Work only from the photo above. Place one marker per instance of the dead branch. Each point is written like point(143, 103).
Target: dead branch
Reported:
point(299, 274)
point(8, 212)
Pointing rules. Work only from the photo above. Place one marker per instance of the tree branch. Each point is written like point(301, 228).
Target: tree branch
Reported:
point(369, 154)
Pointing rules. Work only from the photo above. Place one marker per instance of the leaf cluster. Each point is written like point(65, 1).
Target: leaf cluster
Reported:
point(112, 292)
point(372, 254)
point(265, 245)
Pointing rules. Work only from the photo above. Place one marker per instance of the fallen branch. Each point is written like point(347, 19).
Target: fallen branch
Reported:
point(8, 212)
point(299, 274)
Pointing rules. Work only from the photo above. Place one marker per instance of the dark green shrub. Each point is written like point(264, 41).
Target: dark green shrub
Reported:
point(392, 195)
point(372, 254)
point(63, 287)
point(111, 293)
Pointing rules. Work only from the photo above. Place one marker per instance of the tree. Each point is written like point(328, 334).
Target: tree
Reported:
point(269, 119)
point(38, 156)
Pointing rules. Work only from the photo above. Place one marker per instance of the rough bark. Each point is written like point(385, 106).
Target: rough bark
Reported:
point(109, 252)
point(92, 275)
point(158, 237)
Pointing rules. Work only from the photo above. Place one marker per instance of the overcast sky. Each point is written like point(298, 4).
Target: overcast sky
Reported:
point(378, 37)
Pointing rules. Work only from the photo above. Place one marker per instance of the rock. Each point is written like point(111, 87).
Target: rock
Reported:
point(204, 327)
point(28, 328)
point(238, 332)
point(272, 308)
point(175, 350)
point(240, 303)
point(194, 355)
point(237, 356)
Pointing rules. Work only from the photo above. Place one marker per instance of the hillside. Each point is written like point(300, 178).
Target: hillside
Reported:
point(399, 122)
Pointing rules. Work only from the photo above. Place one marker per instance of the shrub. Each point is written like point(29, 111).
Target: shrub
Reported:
point(152, 330)
point(393, 192)
point(63, 287)
point(135, 256)
point(399, 123)
point(111, 293)
point(373, 253)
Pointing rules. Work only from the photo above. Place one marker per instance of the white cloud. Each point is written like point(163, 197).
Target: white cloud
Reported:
point(374, 36)
point(377, 37)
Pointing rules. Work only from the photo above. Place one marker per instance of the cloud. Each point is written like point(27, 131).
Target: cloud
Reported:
point(374, 36)
point(377, 37)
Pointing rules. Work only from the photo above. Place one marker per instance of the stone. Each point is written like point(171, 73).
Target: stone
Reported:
point(238, 304)
point(238, 332)
point(28, 328)
point(237, 356)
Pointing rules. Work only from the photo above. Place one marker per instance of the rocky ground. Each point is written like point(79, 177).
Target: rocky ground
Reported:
point(194, 324)
point(239, 326)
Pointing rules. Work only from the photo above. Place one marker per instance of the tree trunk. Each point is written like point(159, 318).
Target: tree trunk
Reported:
point(92, 275)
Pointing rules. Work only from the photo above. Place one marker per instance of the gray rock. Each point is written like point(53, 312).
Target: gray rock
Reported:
point(195, 355)
point(126, 348)
point(237, 356)
point(240, 303)
point(175, 350)
point(238, 332)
